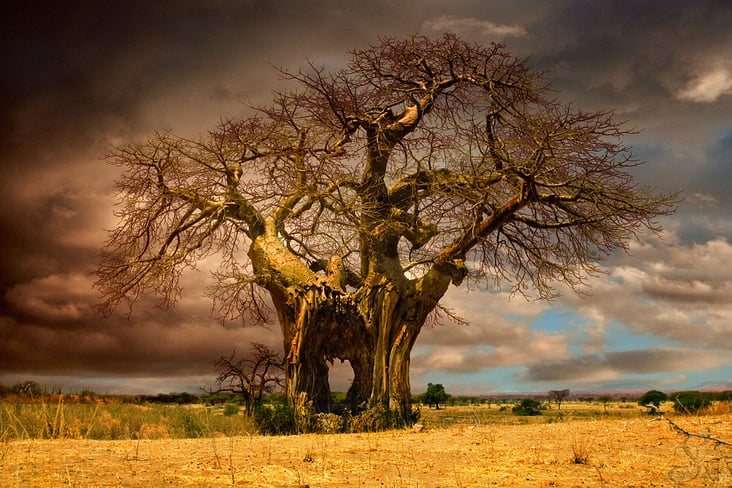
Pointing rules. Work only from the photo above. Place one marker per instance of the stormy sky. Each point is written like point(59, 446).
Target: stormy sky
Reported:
point(78, 77)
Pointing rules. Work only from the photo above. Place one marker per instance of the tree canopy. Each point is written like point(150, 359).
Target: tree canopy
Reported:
point(435, 394)
point(351, 203)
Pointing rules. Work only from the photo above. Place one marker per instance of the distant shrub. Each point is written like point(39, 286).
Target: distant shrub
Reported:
point(528, 407)
point(690, 402)
point(276, 420)
point(652, 399)
point(231, 409)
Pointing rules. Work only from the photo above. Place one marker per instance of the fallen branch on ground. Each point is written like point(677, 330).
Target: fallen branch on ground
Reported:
point(700, 436)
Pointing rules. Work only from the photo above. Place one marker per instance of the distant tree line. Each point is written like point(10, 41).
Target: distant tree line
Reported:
point(683, 401)
point(182, 398)
point(690, 401)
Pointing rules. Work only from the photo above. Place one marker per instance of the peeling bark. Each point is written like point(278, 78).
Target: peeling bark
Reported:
point(374, 328)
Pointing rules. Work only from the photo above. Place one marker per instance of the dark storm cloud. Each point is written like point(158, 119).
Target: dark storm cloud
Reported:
point(140, 348)
point(75, 77)
point(614, 364)
point(639, 52)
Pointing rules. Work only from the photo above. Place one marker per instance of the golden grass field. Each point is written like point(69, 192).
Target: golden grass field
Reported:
point(600, 451)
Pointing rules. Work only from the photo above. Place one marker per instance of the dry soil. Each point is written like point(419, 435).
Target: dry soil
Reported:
point(642, 452)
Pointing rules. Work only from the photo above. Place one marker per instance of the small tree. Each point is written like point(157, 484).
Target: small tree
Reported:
point(652, 399)
point(528, 407)
point(30, 388)
point(250, 377)
point(604, 400)
point(435, 394)
point(559, 396)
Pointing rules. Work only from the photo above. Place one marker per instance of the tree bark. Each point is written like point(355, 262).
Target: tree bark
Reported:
point(360, 390)
point(306, 370)
point(374, 327)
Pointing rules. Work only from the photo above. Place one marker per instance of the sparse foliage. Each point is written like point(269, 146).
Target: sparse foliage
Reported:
point(351, 204)
point(604, 400)
point(251, 376)
point(559, 396)
point(581, 450)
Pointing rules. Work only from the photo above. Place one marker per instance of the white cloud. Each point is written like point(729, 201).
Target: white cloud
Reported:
point(492, 343)
point(681, 294)
point(471, 27)
point(709, 86)
point(678, 292)
point(702, 200)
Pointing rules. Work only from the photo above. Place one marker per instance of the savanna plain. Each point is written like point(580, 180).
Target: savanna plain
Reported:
point(581, 445)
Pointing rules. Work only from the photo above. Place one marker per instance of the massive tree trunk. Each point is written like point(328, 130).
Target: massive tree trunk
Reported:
point(320, 325)
point(374, 327)
point(395, 315)
point(306, 370)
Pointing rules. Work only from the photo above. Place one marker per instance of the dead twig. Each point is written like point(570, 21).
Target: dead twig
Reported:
point(700, 436)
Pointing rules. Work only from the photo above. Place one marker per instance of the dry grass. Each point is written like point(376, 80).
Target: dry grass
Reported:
point(59, 420)
point(637, 452)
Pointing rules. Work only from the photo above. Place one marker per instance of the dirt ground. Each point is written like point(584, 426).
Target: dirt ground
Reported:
point(642, 452)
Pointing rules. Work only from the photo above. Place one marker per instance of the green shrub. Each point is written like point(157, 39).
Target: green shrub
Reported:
point(652, 397)
point(231, 409)
point(276, 420)
point(689, 402)
point(527, 407)
point(190, 423)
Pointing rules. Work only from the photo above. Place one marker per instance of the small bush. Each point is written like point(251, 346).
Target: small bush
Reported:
point(581, 449)
point(690, 402)
point(328, 423)
point(373, 420)
point(191, 424)
point(527, 407)
point(231, 409)
point(277, 420)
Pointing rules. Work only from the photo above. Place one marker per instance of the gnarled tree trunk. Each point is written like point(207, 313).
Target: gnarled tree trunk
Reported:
point(374, 327)
point(320, 325)
point(394, 316)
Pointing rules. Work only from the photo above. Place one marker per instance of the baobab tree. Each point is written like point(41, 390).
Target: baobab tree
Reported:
point(351, 203)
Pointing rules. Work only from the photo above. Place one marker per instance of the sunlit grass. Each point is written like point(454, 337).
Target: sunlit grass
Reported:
point(121, 421)
point(60, 420)
point(503, 415)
